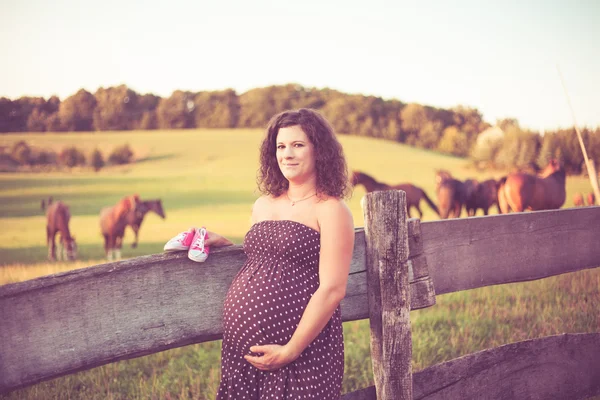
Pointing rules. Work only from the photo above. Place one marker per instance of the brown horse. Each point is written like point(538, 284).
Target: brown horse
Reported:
point(58, 216)
point(578, 200)
point(136, 217)
point(487, 196)
point(414, 194)
point(530, 192)
point(113, 221)
point(451, 193)
point(591, 199)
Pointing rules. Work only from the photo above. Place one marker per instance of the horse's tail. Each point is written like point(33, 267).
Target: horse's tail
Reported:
point(431, 203)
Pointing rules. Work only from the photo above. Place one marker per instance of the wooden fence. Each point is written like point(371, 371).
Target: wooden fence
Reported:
point(73, 321)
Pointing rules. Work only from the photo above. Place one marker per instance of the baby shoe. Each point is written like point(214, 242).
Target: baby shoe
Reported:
point(198, 251)
point(183, 241)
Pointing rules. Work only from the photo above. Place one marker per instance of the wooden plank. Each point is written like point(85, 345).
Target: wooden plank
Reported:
point(77, 320)
point(555, 367)
point(475, 252)
point(386, 233)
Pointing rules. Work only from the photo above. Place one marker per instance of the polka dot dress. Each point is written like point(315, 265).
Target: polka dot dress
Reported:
point(264, 305)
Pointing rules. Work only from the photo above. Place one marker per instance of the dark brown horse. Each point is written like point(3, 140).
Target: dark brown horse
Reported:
point(480, 195)
point(414, 194)
point(136, 217)
point(113, 221)
point(531, 192)
point(451, 193)
point(58, 216)
point(487, 196)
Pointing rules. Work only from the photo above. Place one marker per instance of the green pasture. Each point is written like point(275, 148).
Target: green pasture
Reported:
point(207, 177)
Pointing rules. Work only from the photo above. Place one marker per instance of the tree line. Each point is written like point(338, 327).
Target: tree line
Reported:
point(453, 131)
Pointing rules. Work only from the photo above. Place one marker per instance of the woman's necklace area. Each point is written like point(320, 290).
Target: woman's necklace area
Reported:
point(298, 201)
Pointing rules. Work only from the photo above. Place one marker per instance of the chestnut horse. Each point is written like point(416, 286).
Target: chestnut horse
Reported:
point(136, 217)
point(591, 199)
point(113, 221)
point(530, 192)
point(578, 200)
point(58, 216)
point(452, 194)
point(414, 194)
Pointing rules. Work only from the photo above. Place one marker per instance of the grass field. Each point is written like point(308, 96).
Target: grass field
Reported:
point(208, 177)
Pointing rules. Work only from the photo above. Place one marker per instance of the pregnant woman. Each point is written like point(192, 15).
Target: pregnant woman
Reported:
point(282, 329)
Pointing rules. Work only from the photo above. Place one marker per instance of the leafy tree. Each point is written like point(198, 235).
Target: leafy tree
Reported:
point(454, 142)
point(116, 108)
point(76, 113)
point(216, 109)
point(176, 112)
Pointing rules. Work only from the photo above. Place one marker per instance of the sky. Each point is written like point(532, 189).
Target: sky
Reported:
point(500, 57)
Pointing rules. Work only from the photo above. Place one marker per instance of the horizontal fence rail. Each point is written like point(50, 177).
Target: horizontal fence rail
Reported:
point(72, 321)
point(555, 367)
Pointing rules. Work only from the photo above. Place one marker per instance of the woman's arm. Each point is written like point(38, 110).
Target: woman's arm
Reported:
point(337, 245)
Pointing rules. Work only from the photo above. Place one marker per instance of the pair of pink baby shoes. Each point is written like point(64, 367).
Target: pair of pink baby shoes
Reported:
point(191, 240)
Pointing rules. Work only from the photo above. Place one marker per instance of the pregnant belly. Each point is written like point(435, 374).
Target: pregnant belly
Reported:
point(263, 312)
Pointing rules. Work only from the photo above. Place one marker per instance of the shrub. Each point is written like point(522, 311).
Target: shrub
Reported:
point(72, 157)
point(121, 155)
point(21, 153)
point(43, 157)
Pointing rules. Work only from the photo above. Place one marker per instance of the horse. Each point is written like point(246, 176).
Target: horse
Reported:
point(414, 194)
point(591, 199)
point(530, 192)
point(451, 193)
point(58, 216)
point(487, 196)
point(578, 200)
point(113, 221)
point(136, 217)
point(503, 207)
point(471, 188)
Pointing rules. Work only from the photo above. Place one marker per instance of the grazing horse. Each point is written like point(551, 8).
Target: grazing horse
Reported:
point(451, 193)
point(414, 194)
point(113, 221)
point(487, 196)
point(471, 188)
point(136, 217)
point(578, 200)
point(591, 199)
point(58, 216)
point(530, 192)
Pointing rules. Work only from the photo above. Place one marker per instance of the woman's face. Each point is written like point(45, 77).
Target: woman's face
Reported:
point(295, 154)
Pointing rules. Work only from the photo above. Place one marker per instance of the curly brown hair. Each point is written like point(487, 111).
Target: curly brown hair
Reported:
point(330, 163)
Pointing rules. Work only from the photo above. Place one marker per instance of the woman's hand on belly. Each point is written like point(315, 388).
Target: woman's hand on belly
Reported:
point(274, 356)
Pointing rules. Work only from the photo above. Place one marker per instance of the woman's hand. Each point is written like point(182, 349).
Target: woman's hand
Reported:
point(273, 357)
point(216, 240)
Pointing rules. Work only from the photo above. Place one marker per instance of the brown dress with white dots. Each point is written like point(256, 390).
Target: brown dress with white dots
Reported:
point(264, 305)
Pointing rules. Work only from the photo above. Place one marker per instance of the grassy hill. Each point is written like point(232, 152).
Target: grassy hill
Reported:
point(207, 177)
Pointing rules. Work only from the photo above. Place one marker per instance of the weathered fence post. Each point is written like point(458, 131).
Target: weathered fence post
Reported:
point(386, 234)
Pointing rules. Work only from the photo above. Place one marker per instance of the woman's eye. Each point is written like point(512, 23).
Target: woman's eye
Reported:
point(280, 147)
point(299, 145)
